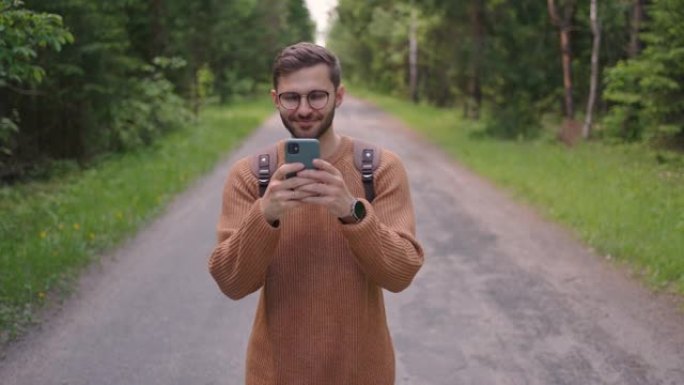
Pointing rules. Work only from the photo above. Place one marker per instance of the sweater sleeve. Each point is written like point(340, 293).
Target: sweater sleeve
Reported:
point(246, 241)
point(384, 242)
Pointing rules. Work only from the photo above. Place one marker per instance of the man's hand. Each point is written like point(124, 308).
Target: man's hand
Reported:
point(283, 194)
point(328, 189)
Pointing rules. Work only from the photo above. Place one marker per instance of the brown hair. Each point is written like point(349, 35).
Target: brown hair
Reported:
point(304, 55)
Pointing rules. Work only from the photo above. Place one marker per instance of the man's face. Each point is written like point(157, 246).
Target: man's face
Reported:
point(305, 120)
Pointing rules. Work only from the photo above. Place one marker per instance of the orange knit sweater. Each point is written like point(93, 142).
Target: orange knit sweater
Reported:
point(321, 316)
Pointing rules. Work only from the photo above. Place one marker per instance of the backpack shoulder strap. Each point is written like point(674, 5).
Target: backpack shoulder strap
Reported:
point(367, 160)
point(263, 166)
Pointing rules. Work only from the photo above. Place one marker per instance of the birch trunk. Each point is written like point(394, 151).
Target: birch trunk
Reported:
point(596, 31)
point(413, 56)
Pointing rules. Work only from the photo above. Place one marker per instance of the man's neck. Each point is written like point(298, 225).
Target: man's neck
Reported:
point(329, 143)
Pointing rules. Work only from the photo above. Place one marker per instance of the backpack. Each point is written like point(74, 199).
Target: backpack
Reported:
point(366, 160)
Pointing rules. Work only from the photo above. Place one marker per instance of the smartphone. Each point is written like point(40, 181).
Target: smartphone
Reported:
point(302, 151)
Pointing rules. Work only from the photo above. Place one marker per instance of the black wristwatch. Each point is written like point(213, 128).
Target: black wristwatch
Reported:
point(357, 212)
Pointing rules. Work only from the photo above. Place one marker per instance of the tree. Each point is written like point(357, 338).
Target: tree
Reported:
point(24, 34)
point(379, 59)
point(413, 55)
point(501, 55)
point(299, 25)
point(477, 25)
point(647, 91)
point(454, 53)
point(596, 31)
point(563, 20)
point(636, 20)
point(131, 72)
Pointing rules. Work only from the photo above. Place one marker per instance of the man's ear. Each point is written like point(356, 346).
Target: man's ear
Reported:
point(339, 95)
point(274, 96)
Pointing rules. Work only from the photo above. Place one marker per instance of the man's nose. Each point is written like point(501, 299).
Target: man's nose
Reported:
point(304, 107)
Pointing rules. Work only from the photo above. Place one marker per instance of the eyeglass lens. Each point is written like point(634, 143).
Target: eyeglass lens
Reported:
point(316, 99)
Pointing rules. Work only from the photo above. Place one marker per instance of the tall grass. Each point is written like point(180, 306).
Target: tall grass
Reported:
point(625, 200)
point(50, 229)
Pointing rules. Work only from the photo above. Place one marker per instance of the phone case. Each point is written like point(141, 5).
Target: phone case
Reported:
point(302, 150)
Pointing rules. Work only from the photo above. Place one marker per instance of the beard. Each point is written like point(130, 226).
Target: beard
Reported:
point(323, 127)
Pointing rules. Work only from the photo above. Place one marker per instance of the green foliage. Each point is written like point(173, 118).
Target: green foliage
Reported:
point(205, 80)
point(8, 127)
point(350, 39)
point(133, 71)
point(300, 26)
point(50, 229)
point(614, 18)
point(513, 61)
point(97, 97)
point(380, 59)
point(513, 120)
point(24, 33)
point(388, 39)
point(152, 110)
point(505, 56)
point(523, 71)
point(647, 91)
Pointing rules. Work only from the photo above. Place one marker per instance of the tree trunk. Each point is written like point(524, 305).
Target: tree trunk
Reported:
point(413, 56)
point(596, 32)
point(637, 18)
point(564, 25)
point(567, 72)
point(3, 103)
point(194, 92)
point(477, 24)
point(158, 46)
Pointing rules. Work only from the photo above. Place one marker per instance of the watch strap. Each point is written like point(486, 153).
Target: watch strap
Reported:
point(353, 216)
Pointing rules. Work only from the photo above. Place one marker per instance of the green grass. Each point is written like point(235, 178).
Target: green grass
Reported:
point(618, 198)
point(49, 230)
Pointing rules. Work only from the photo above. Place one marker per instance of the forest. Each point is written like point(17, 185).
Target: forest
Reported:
point(80, 78)
point(609, 70)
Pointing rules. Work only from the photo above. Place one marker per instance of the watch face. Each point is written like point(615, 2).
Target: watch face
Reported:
point(359, 210)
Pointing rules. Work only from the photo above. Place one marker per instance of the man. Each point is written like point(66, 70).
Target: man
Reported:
point(320, 253)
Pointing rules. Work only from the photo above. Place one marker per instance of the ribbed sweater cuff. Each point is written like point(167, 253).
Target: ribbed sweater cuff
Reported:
point(359, 232)
point(240, 263)
point(383, 254)
point(263, 233)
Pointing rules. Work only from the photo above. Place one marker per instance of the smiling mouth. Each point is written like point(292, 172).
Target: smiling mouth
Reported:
point(307, 123)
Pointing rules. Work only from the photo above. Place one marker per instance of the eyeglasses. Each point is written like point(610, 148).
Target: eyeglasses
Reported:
point(317, 99)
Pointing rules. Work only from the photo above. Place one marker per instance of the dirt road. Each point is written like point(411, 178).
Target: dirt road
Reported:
point(504, 297)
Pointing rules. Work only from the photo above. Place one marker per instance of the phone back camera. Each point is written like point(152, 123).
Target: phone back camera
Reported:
point(293, 148)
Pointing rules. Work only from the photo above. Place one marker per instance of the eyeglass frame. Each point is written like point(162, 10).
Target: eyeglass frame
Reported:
point(299, 101)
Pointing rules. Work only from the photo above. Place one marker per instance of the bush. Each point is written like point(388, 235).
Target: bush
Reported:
point(152, 110)
point(647, 91)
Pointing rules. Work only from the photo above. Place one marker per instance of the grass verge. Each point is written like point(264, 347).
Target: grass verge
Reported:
point(49, 230)
point(626, 201)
